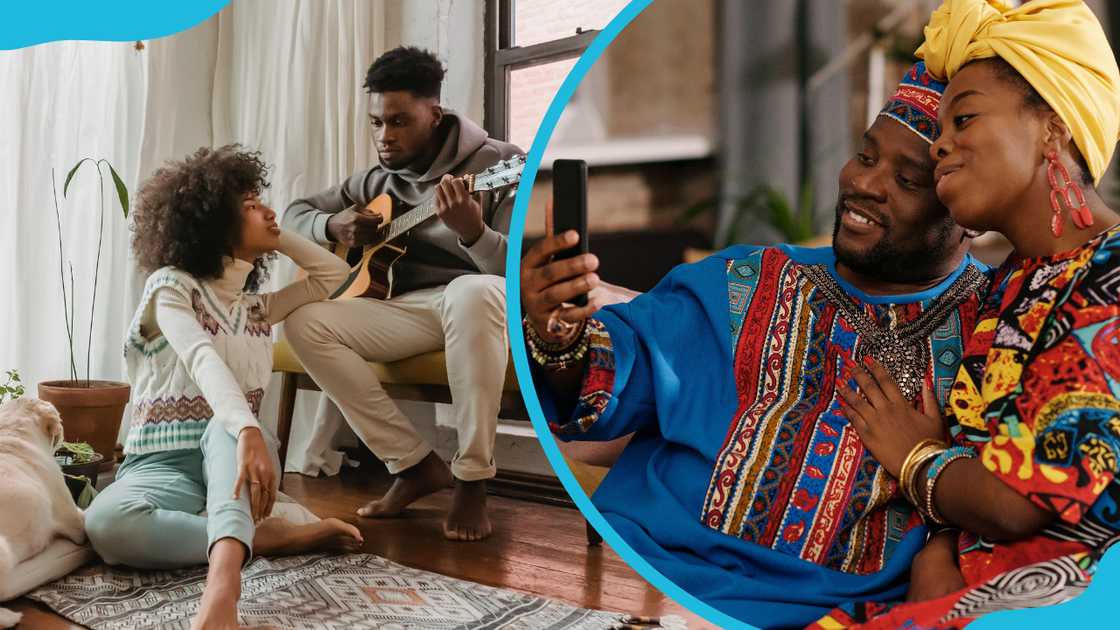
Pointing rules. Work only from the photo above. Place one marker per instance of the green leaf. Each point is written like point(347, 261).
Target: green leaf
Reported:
point(87, 495)
point(70, 175)
point(695, 210)
point(781, 214)
point(81, 452)
point(122, 192)
point(747, 203)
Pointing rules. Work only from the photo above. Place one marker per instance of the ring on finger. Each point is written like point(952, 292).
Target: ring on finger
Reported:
point(557, 325)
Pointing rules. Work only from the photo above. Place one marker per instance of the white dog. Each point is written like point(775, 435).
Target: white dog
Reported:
point(35, 504)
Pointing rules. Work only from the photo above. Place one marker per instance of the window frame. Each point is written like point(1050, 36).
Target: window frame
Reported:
point(502, 58)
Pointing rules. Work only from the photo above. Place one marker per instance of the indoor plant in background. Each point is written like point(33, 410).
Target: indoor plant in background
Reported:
point(91, 409)
point(763, 203)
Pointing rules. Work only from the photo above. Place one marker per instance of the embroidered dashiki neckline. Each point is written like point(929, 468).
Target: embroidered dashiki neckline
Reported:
point(902, 351)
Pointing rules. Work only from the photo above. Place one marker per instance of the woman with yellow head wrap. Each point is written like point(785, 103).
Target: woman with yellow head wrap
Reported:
point(1028, 470)
point(1057, 46)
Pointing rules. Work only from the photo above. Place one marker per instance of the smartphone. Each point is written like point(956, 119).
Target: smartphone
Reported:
point(569, 208)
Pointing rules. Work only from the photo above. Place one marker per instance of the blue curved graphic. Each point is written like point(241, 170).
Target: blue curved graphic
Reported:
point(36, 22)
point(30, 23)
point(517, 340)
point(1093, 604)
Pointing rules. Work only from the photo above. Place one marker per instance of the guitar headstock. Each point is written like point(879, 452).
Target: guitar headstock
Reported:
point(504, 173)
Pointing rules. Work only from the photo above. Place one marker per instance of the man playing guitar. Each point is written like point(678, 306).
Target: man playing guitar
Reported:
point(447, 289)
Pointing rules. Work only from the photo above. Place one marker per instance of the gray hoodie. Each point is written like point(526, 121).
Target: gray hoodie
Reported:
point(435, 255)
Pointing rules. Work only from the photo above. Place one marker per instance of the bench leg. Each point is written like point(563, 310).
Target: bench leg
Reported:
point(593, 537)
point(284, 417)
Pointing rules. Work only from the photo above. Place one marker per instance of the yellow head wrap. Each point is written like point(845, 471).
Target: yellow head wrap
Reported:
point(1057, 45)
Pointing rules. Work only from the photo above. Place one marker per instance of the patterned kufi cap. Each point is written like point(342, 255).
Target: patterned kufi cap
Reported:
point(915, 102)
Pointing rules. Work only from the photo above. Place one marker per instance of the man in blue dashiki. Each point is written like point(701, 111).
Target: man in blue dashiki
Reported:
point(744, 483)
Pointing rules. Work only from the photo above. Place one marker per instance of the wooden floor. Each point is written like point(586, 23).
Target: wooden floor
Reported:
point(535, 548)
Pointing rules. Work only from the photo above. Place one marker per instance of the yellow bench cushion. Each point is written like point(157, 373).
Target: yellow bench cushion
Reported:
point(587, 475)
point(422, 369)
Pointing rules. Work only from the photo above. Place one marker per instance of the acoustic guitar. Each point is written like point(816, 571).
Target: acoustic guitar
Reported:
point(372, 276)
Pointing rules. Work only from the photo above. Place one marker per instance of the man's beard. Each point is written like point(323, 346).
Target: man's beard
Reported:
point(887, 261)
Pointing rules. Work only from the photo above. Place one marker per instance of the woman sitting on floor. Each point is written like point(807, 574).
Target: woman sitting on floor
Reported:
point(199, 355)
point(1029, 124)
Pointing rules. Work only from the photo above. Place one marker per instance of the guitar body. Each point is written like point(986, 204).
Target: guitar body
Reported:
point(371, 276)
point(375, 279)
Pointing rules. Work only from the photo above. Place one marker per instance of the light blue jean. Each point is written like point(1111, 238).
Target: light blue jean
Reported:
point(149, 517)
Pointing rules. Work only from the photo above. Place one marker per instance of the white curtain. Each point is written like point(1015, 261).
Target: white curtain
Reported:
point(280, 76)
point(60, 102)
point(288, 81)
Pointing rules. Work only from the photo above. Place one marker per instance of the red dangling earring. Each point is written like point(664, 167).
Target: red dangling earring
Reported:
point(1059, 192)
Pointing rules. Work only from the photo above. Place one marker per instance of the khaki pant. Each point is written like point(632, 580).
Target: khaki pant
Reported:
point(466, 318)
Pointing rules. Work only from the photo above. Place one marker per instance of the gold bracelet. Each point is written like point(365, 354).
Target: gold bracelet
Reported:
point(920, 453)
point(914, 482)
point(909, 482)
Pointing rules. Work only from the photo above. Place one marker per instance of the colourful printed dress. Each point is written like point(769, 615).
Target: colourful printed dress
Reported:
point(744, 483)
point(1038, 395)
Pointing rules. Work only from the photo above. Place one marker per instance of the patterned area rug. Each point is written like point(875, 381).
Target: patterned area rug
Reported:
point(312, 591)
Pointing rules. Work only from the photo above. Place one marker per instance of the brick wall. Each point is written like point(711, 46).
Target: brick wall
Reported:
point(532, 88)
point(537, 21)
point(531, 91)
point(638, 197)
point(657, 78)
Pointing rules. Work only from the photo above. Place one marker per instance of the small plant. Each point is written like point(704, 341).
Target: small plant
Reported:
point(764, 202)
point(12, 387)
point(68, 299)
point(73, 453)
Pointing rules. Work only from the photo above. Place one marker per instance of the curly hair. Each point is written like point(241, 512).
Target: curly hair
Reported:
point(188, 213)
point(406, 68)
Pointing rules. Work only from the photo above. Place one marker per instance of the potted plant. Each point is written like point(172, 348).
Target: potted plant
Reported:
point(766, 203)
point(78, 460)
point(91, 409)
point(80, 465)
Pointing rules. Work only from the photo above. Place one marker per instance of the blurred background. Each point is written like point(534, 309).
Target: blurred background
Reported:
point(706, 122)
point(712, 122)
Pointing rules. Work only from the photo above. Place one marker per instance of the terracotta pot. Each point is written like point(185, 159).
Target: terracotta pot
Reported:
point(89, 414)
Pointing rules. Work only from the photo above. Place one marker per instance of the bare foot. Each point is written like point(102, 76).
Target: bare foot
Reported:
point(278, 537)
point(429, 476)
point(218, 608)
point(9, 618)
point(216, 615)
point(467, 521)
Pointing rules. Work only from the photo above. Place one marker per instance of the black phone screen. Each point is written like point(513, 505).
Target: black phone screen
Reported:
point(569, 207)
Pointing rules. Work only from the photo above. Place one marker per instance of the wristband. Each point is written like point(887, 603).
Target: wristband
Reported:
point(937, 467)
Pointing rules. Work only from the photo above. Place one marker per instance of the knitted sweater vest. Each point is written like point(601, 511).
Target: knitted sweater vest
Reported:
point(169, 411)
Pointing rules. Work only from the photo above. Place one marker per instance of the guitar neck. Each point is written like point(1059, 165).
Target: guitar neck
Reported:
point(427, 210)
point(410, 219)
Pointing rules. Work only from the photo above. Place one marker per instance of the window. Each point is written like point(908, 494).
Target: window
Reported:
point(531, 45)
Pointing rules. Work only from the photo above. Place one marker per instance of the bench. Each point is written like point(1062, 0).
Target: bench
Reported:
point(419, 378)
